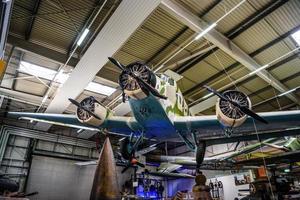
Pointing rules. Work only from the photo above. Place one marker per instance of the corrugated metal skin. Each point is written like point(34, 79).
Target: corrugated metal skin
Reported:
point(286, 17)
point(256, 36)
point(272, 53)
point(196, 6)
point(287, 69)
point(20, 16)
point(237, 16)
point(220, 60)
point(152, 36)
point(200, 72)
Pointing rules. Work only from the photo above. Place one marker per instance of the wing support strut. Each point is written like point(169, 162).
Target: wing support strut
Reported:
point(189, 144)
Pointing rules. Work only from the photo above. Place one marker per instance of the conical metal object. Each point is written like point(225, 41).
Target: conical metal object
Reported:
point(105, 186)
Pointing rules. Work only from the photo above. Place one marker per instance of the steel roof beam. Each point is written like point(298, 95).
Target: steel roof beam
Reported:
point(32, 19)
point(129, 15)
point(237, 30)
point(254, 53)
point(181, 32)
point(226, 45)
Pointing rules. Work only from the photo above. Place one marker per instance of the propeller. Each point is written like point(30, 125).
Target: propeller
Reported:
point(244, 109)
point(141, 82)
point(77, 104)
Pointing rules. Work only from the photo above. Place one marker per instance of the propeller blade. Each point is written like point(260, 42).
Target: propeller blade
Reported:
point(148, 87)
point(77, 104)
point(117, 63)
point(140, 81)
point(244, 109)
point(249, 112)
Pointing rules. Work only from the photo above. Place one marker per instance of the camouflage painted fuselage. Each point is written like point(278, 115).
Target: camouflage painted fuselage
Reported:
point(156, 115)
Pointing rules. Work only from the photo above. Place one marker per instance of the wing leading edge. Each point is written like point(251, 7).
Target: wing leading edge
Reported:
point(276, 120)
point(115, 124)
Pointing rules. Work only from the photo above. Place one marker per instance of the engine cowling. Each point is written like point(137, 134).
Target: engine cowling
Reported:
point(130, 85)
point(228, 114)
point(94, 106)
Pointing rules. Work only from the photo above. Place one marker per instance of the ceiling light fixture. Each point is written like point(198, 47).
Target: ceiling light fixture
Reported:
point(259, 69)
point(83, 36)
point(287, 92)
point(206, 96)
point(200, 35)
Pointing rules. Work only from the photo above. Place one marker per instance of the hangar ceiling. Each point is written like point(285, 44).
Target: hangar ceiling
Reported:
point(45, 32)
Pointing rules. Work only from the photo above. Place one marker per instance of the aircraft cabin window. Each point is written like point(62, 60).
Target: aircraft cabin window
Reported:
point(171, 81)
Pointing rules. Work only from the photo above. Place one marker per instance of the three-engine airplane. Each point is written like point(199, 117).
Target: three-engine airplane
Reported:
point(160, 112)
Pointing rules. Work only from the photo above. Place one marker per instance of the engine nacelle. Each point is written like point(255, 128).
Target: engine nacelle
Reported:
point(94, 106)
point(130, 86)
point(229, 115)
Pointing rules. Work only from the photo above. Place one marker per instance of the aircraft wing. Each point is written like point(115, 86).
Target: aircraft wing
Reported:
point(210, 124)
point(171, 175)
point(116, 124)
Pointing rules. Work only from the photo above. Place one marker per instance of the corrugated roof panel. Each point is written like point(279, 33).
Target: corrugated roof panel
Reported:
point(264, 107)
point(295, 82)
point(230, 21)
point(52, 34)
point(286, 17)
point(259, 4)
point(200, 72)
point(220, 60)
point(255, 84)
point(256, 99)
point(26, 4)
point(272, 53)
point(19, 20)
point(164, 24)
point(185, 84)
point(143, 44)
point(268, 93)
point(256, 36)
point(196, 6)
point(242, 72)
point(287, 69)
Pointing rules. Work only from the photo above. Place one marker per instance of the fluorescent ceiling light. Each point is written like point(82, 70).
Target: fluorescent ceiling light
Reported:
point(208, 95)
point(99, 88)
point(61, 77)
point(296, 37)
point(287, 92)
point(200, 35)
point(258, 69)
point(83, 36)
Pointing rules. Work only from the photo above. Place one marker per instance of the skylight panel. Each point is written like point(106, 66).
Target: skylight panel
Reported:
point(296, 37)
point(36, 70)
point(61, 77)
point(100, 89)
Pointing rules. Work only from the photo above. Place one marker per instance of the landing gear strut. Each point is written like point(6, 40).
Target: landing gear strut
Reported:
point(200, 152)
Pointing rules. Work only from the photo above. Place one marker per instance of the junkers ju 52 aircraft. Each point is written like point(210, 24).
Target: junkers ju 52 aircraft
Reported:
point(160, 112)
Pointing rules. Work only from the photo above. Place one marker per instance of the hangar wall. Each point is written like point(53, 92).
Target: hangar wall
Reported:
point(46, 159)
point(56, 178)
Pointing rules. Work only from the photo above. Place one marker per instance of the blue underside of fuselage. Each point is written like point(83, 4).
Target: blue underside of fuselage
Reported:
point(150, 114)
